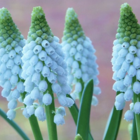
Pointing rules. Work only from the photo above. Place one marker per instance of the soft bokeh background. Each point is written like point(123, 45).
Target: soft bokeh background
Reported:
point(99, 19)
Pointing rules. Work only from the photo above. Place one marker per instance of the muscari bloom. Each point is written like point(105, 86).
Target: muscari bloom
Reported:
point(126, 61)
point(44, 69)
point(11, 44)
point(79, 56)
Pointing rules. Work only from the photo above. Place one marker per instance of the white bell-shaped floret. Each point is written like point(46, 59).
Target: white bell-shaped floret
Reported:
point(120, 98)
point(7, 74)
point(136, 108)
point(66, 89)
point(31, 45)
point(78, 87)
point(138, 53)
point(39, 66)
point(131, 106)
point(56, 88)
point(20, 87)
point(28, 55)
point(26, 115)
point(119, 60)
point(45, 71)
point(136, 87)
point(14, 79)
point(10, 64)
point(15, 94)
point(125, 45)
point(42, 56)
point(11, 114)
point(35, 93)
point(2, 68)
point(123, 52)
point(129, 58)
point(37, 49)
point(49, 50)
point(52, 78)
point(58, 119)
point(40, 113)
point(61, 111)
point(5, 93)
point(94, 101)
point(97, 91)
point(79, 48)
point(70, 102)
point(78, 73)
point(33, 61)
point(121, 74)
point(129, 115)
point(127, 80)
point(125, 66)
point(28, 100)
point(72, 51)
point(4, 58)
point(132, 49)
point(2, 51)
point(136, 62)
point(48, 62)
point(85, 77)
point(45, 43)
point(132, 71)
point(7, 85)
point(17, 60)
point(128, 94)
point(15, 70)
point(119, 106)
point(36, 78)
point(47, 99)
point(12, 104)
point(30, 71)
point(30, 110)
point(43, 86)
point(12, 54)
point(78, 56)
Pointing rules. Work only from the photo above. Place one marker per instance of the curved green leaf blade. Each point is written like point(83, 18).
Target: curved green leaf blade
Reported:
point(113, 124)
point(84, 113)
point(134, 130)
point(14, 125)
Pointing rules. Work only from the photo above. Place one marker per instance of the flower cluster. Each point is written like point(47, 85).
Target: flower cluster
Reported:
point(126, 61)
point(44, 69)
point(79, 56)
point(11, 44)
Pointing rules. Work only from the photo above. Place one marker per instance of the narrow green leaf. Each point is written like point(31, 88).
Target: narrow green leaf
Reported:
point(84, 113)
point(74, 112)
point(113, 124)
point(14, 125)
point(134, 130)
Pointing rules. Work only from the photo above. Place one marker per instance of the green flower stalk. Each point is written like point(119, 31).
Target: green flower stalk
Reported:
point(79, 56)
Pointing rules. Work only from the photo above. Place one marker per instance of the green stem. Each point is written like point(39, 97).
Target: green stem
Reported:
point(52, 131)
point(80, 94)
point(137, 116)
point(134, 131)
point(34, 124)
point(35, 128)
point(14, 125)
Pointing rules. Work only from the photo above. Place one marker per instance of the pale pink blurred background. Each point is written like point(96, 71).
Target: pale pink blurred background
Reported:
point(99, 19)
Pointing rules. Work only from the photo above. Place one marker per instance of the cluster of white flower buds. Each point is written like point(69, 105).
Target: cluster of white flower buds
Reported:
point(126, 62)
point(11, 44)
point(79, 56)
point(43, 70)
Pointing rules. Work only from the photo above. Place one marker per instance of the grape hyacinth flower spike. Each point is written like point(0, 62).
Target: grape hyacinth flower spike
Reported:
point(44, 70)
point(11, 44)
point(126, 62)
point(79, 56)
